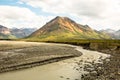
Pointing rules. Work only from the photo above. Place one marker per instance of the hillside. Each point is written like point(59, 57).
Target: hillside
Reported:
point(117, 34)
point(114, 34)
point(5, 33)
point(63, 28)
point(22, 32)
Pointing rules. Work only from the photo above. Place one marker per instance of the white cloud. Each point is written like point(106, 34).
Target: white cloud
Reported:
point(79, 7)
point(12, 16)
point(97, 13)
point(19, 2)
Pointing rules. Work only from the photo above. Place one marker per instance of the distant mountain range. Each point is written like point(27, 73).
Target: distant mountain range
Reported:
point(114, 34)
point(63, 28)
point(6, 33)
point(23, 32)
point(59, 28)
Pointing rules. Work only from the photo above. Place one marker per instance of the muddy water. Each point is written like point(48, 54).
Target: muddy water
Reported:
point(62, 70)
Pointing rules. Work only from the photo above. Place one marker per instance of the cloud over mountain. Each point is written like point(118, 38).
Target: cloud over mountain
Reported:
point(13, 16)
point(100, 14)
point(97, 13)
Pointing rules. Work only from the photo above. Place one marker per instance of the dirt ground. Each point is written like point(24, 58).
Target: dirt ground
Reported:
point(18, 54)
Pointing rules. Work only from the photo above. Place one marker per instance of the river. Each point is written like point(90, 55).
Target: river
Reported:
point(62, 70)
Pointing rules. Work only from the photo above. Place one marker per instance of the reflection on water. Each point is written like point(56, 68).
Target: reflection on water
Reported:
point(63, 70)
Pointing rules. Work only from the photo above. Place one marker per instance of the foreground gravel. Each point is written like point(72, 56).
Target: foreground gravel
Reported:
point(18, 55)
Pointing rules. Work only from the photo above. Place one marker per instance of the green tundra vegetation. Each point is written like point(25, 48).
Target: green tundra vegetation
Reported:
point(93, 43)
point(8, 36)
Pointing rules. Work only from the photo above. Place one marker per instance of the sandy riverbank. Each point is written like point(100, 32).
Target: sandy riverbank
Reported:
point(108, 70)
point(62, 70)
point(16, 55)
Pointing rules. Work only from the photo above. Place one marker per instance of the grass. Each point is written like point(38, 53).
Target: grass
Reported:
point(105, 43)
point(9, 36)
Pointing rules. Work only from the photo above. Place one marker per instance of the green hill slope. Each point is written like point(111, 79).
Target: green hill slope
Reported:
point(63, 28)
point(5, 33)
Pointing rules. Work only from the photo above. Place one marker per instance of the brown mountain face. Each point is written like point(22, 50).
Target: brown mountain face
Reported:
point(114, 34)
point(4, 30)
point(22, 32)
point(5, 33)
point(61, 24)
point(65, 28)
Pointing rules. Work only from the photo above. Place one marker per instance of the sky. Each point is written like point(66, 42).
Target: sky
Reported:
point(98, 14)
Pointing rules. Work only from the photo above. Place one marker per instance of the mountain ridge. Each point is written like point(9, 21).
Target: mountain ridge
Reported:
point(61, 28)
point(115, 34)
point(14, 33)
point(22, 32)
point(5, 33)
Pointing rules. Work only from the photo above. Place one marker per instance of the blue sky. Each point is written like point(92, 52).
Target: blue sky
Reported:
point(35, 13)
point(20, 4)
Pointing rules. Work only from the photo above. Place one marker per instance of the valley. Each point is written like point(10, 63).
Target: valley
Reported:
point(59, 40)
point(16, 56)
point(64, 28)
point(88, 53)
point(62, 70)
point(19, 55)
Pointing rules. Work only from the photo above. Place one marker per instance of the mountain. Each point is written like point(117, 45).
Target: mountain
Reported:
point(107, 31)
point(117, 34)
point(63, 28)
point(23, 32)
point(4, 30)
point(5, 33)
point(114, 34)
point(110, 32)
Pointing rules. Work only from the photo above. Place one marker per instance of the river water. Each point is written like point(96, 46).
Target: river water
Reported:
point(62, 70)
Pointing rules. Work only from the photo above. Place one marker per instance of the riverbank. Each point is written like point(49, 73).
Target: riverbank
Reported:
point(106, 68)
point(16, 55)
point(109, 69)
point(63, 70)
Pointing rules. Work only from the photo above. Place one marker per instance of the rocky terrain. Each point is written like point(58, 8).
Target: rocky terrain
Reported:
point(68, 29)
point(109, 69)
point(63, 28)
point(4, 30)
point(5, 33)
point(62, 70)
point(114, 34)
point(22, 32)
point(19, 55)
point(12, 33)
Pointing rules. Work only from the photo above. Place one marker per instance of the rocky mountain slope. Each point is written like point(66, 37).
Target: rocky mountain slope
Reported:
point(23, 32)
point(114, 34)
point(5, 33)
point(117, 34)
point(63, 28)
